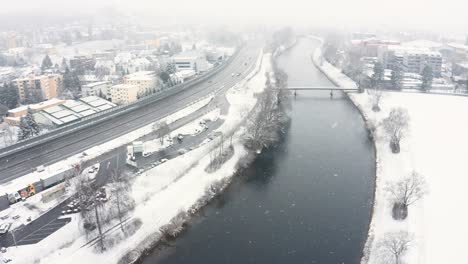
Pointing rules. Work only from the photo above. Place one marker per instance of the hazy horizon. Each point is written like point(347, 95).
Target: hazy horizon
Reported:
point(417, 14)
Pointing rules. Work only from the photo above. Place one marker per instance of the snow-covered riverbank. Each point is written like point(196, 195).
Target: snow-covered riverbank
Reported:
point(436, 147)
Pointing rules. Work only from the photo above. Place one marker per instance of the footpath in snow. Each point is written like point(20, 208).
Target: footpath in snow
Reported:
point(435, 147)
point(160, 193)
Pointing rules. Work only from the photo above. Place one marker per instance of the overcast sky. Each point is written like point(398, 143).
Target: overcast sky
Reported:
point(412, 13)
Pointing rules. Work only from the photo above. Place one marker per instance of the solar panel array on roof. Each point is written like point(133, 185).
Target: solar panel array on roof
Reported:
point(89, 99)
point(63, 113)
point(53, 109)
point(80, 108)
point(71, 103)
point(69, 118)
point(87, 112)
point(74, 110)
point(104, 107)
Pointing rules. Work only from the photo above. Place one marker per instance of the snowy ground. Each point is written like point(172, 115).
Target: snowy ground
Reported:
point(160, 192)
point(435, 147)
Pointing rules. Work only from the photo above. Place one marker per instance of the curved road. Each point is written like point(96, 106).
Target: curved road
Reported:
point(21, 163)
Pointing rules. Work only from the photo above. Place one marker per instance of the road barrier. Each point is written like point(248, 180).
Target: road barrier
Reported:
point(113, 112)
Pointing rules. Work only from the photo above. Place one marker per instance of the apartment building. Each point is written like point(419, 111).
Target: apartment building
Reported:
point(144, 80)
point(412, 59)
point(97, 89)
point(124, 93)
point(38, 88)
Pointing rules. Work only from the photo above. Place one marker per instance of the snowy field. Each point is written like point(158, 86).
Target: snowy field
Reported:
point(160, 193)
point(435, 147)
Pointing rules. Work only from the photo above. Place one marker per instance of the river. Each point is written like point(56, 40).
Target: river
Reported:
point(306, 201)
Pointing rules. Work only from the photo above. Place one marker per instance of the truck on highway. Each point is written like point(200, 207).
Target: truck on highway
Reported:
point(52, 180)
point(14, 197)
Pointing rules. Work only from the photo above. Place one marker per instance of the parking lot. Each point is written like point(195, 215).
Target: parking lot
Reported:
point(43, 232)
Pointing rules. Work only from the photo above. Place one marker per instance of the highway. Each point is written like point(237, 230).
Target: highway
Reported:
point(27, 160)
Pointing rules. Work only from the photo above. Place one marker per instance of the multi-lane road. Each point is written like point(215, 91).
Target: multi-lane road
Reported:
point(27, 160)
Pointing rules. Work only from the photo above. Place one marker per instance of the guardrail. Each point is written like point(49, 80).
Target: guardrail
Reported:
point(113, 112)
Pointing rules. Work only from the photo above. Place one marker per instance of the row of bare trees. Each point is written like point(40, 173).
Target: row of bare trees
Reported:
point(403, 192)
point(100, 208)
point(267, 123)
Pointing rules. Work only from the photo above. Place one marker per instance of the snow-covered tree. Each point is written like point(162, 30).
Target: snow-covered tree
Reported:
point(121, 192)
point(396, 126)
point(171, 68)
point(406, 192)
point(9, 95)
point(397, 77)
point(427, 77)
point(395, 244)
point(266, 124)
point(375, 98)
point(162, 129)
point(46, 63)
point(71, 83)
point(28, 126)
point(378, 75)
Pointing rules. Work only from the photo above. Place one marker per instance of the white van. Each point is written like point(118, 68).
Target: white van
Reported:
point(40, 168)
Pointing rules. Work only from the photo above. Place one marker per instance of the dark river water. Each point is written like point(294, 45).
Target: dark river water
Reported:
point(306, 201)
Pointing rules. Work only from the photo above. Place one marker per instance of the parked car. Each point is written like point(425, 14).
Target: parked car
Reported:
point(4, 228)
point(163, 160)
point(40, 168)
point(147, 154)
point(182, 151)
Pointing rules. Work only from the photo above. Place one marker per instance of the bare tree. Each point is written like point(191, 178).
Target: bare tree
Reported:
point(395, 244)
point(375, 99)
point(396, 126)
point(162, 129)
point(121, 191)
point(91, 207)
point(406, 192)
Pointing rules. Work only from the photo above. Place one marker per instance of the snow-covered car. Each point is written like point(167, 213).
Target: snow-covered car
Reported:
point(91, 170)
point(147, 154)
point(182, 151)
point(4, 228)
point(163, 160)
point(40, 168)
point(180, 137)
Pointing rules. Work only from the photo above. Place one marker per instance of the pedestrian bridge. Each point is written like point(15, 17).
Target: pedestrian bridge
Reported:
point(320, 88)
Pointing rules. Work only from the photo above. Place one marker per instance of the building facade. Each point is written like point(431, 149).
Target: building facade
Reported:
point(101, 89)
point(191, 60)
point(146, 81)
point(124, 93)
point(38, 88)
point(412, 60)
